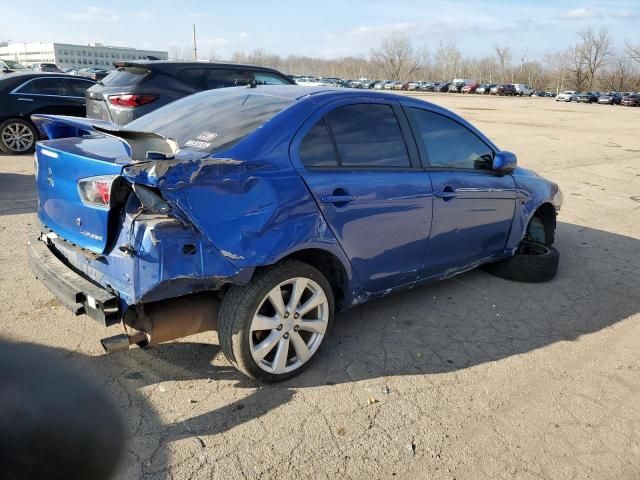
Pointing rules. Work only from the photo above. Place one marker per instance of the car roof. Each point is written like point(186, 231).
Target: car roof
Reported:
point(15, 78)
point(301, 92)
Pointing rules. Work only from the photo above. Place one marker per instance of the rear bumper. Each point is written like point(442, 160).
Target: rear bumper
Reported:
point(74, 291)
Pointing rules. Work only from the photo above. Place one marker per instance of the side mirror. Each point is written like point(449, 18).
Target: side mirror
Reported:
point(504, 162)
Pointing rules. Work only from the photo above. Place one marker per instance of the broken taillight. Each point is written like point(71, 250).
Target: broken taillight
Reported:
point(96, 191)
point(130, 100)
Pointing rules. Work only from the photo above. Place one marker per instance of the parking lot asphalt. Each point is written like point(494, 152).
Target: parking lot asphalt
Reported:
point(471, 378)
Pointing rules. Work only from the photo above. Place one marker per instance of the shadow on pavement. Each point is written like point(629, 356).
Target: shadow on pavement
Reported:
point(17, 194)
point(442, 327)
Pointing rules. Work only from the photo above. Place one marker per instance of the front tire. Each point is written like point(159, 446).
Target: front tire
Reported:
point(533, 263)
point(271, 328)
point(17, 136)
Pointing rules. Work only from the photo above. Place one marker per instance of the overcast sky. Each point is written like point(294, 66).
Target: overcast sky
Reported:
point(319, 28)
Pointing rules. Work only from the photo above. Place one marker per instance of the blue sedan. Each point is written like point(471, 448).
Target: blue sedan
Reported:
point(261, 212)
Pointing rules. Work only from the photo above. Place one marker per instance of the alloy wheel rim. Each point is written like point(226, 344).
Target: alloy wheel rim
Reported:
point(17, 137)
point(289, 325)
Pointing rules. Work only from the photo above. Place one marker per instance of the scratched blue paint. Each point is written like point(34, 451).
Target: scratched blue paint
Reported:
point(255, 203)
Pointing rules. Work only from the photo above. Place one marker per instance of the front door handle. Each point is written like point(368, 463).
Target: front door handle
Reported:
point(447, 193)
point(337, 198)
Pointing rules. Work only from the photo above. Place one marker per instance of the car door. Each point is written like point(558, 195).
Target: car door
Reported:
point(367, 182)
point(473, 206)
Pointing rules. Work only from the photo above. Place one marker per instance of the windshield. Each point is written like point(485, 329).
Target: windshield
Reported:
point(213, 120)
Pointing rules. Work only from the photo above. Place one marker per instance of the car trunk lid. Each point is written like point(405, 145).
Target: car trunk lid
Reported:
point(80, 149)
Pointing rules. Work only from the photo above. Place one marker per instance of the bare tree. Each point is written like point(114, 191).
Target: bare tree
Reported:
point(558, 66)
point(632, 50)
point(447, 60)
point(594, 50)
point(504, 60)
point(619, 77)
point(398, 58)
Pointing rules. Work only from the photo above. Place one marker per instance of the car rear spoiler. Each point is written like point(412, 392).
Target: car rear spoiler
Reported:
point(140, 146)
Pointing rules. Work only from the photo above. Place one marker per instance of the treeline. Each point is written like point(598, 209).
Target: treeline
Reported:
point(591, 64)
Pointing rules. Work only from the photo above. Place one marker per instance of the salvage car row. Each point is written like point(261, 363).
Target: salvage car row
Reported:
point(136, 88)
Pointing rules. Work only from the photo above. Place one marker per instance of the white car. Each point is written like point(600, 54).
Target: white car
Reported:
point(567, 96)
point(312, 82)
point(523, 89)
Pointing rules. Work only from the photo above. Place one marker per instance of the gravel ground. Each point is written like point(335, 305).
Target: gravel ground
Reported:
point(470, 378)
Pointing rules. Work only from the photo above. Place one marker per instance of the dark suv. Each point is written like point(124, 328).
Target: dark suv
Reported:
point(136, 88)
point(507, 89)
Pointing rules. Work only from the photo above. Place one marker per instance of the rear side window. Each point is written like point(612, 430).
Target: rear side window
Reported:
point(45, 86)
point(316, 149)
point(263, 78)
point(194, 77)
point(217, 78)
point(449, 144)
point(368, 135)
point(125, 76)
point(77, 88)
point(211, 122)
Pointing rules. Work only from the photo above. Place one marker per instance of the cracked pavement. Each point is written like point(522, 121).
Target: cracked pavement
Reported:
point(470, 378)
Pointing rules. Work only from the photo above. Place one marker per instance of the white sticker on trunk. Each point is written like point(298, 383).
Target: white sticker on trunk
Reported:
point(206, 136)
point(197, 144)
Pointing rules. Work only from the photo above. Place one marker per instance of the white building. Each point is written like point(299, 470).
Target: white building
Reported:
point(75, 56)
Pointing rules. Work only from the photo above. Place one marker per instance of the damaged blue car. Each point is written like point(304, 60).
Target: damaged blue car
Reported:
point(261, 212)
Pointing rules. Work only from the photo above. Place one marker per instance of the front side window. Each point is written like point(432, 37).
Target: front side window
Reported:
point(316, 149)
point(226, 78)
point(368, 135)
point(449, 144)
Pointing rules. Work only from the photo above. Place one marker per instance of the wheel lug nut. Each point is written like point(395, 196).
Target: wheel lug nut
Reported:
point(296, 328)
point(280, 327)
point(286, 335)
point(286, 314)
point(296, 316)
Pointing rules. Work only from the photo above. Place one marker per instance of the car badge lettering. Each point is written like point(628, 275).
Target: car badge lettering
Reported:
point(50, 177)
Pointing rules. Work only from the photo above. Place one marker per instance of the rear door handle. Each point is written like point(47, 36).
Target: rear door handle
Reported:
point(25, 99)
point(337, 198)
point(447, 193)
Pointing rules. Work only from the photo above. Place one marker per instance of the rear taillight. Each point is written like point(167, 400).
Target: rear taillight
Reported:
point(96, 191)
point(131, 101)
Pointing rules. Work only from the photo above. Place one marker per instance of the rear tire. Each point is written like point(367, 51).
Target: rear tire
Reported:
point(263, 327)
point(533, 263)
point(17, 136)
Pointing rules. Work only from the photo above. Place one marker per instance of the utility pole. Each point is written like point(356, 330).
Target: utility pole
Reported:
point(195, 47)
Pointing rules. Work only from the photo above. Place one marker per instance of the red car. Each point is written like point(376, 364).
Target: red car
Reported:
point(632, 100)
point(469, 88)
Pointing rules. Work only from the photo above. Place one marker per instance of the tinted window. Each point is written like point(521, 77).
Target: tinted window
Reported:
point(368, 135)
point(76, 88)
point(45, 86)
point(226, 78)
point(449, 144)
point(316, 149)
point(211, 121)
point(269, 79)
point(194, 77)
point(125, 76)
